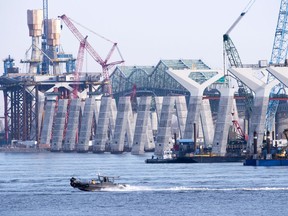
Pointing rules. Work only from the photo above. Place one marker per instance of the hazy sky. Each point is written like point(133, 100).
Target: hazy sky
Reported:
point(151, 30)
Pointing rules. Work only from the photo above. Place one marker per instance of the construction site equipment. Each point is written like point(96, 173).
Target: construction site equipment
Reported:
point(230, 49)
point(280, 45)
point(104, 63)
point(45, 62)
point(235, 61)
point(278, 56)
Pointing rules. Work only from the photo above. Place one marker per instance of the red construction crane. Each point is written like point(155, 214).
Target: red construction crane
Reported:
point(239, 131)
point(104, 63)
point(79, 65)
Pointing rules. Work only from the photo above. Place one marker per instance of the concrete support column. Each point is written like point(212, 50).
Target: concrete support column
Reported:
point(59, 125)
point(258, 84)
point(164, 136)
point(72, 125)
point(257, 122)
point(224, 121)
point(193, 116)
point(87, 121)
point(140, 135)
point(189, 79)
point(207, 123)
point(181, 112)
point(123, 113)
point(101, 141)
point(46, 132)
point(150, 144)
point(158, 102)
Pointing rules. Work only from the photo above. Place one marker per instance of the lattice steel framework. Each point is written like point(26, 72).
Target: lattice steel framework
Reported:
point(280, 45)
point(278, 56)
point(21, 119)
point(152, 80)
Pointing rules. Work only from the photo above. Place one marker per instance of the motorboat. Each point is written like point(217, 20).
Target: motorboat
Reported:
point(101, 182)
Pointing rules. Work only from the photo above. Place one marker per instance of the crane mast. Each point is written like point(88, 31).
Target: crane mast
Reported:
point(278, 56)
point(280, 45)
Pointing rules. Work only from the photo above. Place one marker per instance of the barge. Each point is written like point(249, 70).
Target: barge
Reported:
point(186, 151)
point(266, 162)
point(197, 159)
point(270, 155)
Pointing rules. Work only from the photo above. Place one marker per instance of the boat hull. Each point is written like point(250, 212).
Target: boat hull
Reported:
point(263, 162)
point(90, 186)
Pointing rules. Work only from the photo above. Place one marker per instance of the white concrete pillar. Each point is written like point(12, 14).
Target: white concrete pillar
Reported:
point(224, 121)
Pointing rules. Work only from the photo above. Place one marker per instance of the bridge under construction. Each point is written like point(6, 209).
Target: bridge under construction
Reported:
point(138, 108)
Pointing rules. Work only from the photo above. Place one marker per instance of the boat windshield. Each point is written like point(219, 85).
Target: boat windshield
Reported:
point(105, 179)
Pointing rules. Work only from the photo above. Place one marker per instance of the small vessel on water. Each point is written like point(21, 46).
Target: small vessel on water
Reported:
point(184, 152)
point(101, 182)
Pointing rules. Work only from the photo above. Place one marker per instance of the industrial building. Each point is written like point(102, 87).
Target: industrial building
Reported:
point(137, 108)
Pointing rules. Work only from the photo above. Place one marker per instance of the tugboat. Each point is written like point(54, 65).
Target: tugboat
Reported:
point(102, 182)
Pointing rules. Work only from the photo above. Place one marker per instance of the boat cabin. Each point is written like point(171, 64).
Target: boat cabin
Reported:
point(184, 146)
point(105, 179)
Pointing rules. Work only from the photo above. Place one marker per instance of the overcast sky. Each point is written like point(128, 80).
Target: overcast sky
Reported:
point(151, 30)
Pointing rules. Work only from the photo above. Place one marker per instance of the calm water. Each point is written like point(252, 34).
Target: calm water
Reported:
point(38, 184)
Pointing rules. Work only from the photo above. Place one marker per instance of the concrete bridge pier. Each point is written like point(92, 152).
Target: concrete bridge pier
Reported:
point(256, 80)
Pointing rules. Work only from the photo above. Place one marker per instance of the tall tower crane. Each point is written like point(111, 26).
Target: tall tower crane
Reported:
point(278, 56)
point(280, 45)
point(104, 63)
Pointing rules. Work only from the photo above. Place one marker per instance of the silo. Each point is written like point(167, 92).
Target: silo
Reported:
point(53, 41)
point(34, 21)
point(53, 37)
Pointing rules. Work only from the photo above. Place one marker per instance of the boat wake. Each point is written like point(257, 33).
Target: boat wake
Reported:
point(130, 188)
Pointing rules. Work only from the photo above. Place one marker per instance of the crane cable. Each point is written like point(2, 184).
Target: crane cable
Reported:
point(101, 36)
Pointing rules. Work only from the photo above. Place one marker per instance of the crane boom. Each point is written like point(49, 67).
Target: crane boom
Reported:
point(104, 63)
point(235, 23)
point(247, 8)
point(234, 58)
point(231, 52)
point(79, 64)
point(80, 57)
point(80, 37)
point(230, 49)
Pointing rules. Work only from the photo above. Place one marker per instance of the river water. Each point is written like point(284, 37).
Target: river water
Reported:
point(37, 184)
